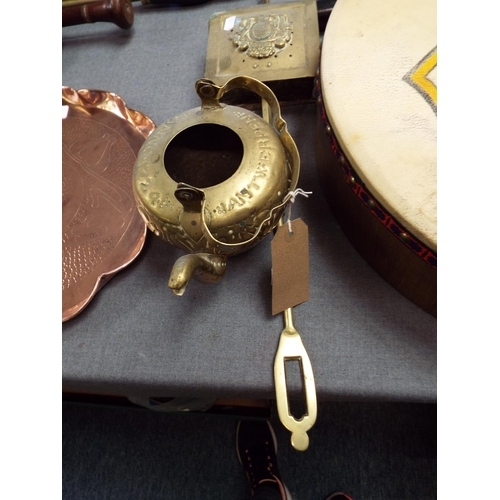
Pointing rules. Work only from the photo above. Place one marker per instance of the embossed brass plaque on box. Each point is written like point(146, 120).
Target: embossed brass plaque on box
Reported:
point(270, 42)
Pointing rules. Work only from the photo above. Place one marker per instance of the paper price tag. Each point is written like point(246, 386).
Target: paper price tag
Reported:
point(290, 266)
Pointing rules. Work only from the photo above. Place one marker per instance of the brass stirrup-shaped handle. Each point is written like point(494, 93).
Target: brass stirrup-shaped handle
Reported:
point(210, 95)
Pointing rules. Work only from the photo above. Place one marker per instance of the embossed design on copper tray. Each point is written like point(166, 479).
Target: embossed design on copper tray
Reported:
point(102, 230)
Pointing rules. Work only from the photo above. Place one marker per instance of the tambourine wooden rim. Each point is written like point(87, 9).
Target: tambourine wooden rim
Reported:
point(360, 190)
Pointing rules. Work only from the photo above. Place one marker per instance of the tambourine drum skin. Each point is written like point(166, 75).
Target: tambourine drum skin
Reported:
point(376, 140)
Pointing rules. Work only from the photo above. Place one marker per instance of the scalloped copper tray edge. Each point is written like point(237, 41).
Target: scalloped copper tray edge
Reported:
point(108, 101)
point(111, 102)
point(102, 279)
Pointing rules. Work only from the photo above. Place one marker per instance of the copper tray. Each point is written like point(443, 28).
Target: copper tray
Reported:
point(102, 230)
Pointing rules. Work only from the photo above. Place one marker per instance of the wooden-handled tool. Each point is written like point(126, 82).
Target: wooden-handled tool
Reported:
point(119, 12)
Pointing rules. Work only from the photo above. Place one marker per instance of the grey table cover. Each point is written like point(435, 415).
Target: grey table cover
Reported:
point(365, 340)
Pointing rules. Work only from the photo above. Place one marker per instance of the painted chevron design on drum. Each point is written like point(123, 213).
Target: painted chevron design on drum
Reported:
point(419, 78)
point(367, 198)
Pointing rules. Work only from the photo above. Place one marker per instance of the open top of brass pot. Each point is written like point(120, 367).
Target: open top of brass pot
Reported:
point(215, 179)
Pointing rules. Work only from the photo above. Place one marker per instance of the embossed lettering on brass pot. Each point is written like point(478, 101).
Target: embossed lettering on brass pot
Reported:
point(215, 179)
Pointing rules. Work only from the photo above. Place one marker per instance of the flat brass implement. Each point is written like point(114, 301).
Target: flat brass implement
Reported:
point(271, 42)
point(291, 348)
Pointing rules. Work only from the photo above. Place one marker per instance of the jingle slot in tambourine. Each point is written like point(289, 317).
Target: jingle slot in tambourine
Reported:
point(377, 139)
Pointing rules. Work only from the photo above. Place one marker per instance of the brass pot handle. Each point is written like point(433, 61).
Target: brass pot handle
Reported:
point(210, 95)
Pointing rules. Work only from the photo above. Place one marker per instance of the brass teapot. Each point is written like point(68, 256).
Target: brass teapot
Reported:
point(215, 180)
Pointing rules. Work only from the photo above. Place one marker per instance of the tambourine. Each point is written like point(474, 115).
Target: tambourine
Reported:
point(376, 141)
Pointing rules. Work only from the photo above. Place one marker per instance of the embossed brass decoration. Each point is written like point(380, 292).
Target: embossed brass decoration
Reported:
point(215, 179)
point(271, 42)
point(263, 36)
point(101, 229)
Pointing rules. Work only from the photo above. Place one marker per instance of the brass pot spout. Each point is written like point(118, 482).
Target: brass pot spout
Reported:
point(204, 267)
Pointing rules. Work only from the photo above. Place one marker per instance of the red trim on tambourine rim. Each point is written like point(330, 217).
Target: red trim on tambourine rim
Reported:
point(367, 198)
